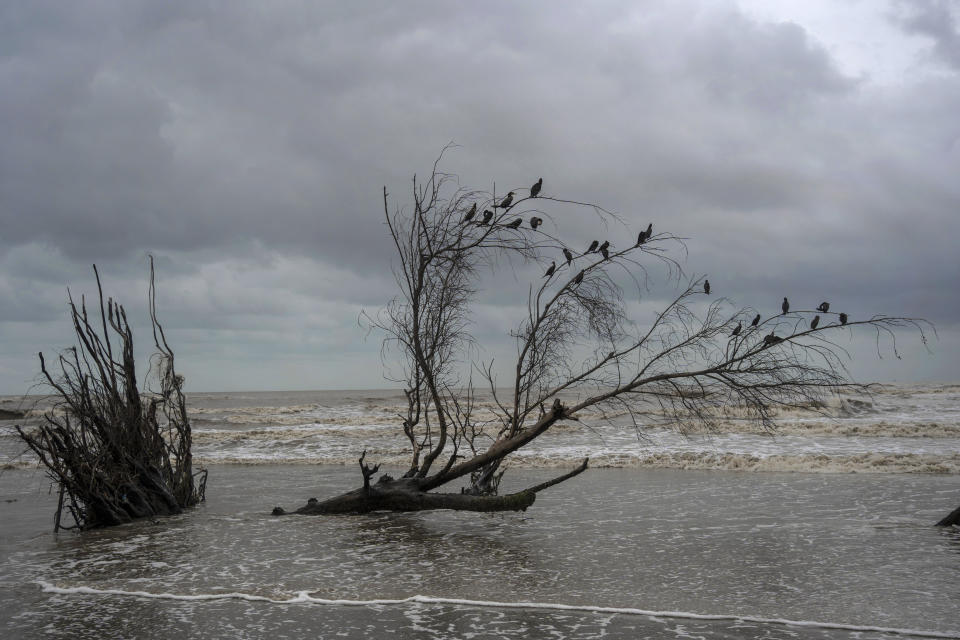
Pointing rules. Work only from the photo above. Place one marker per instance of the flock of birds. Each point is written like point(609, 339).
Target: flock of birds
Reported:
point(595, 247)
point(604, 250)
point(771, 338)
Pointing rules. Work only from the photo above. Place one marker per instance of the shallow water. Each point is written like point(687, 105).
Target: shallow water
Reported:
point(677, 536)
point(824, 550)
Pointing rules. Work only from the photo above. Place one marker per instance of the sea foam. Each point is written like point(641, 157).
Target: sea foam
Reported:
point(304, 597)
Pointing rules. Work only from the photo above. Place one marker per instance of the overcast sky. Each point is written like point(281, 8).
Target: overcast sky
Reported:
point(808, 149)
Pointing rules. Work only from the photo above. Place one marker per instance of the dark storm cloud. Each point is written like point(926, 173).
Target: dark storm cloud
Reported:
point(246, 148)
point(938, 20)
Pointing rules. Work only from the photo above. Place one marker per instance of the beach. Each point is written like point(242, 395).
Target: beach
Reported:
point(822, 536)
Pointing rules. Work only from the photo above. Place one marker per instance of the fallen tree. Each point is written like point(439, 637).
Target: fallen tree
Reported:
point(115, 454)
point(697, 354)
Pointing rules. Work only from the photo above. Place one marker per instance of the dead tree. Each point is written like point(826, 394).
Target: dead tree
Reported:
point(115, 454)
point(688, 361)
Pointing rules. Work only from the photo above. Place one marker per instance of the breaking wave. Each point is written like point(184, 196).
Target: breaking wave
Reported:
point(893, 429)
point(862, 463)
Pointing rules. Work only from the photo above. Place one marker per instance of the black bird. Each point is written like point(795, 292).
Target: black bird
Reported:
point(756, 320)
point(641, 238)
point(815, 322)
point(649, 230)
point(843, 318)
point(593, 246)
point(487, 216)
point(604, 252)
point(785, 306)
point(579, 278)
point(771, 339)
point(568, 255)
point(824, 307)
point(535, 222)
point(604, 246)
point(706, 287)
point(471, 213)
point(516, 223)
point(535, 189)
point(506, 201)
point(553, 267)
point(736, 331)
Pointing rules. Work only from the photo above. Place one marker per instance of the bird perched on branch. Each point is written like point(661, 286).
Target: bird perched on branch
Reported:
point(815, 322)
point(649, 230)
point(535, 222)
point(641, 238)
point(756, 320)
point(603, 249)
point(824, 307)
point(553, 267)
point(579, 278)
point(487, 216)
point(516, 223)
point(471, 213)
point(535, 189)
point(568, 255)
point(506, 201)
point(843, 318)
point(736, 331)
point(706, 287)
point(771, 339)
point(785, 306)
point(593, 247)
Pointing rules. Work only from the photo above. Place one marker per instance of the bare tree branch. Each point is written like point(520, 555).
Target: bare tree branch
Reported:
point(116, 453)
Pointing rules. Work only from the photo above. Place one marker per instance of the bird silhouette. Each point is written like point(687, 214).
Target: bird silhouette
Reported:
point(815, 322)
point(605, 245)
point(824, 307)
point(535, 189)
point(553, 267)
point(706, 287)
point(579, 278)
point(785, 306)
point(843, 318)
point(604, 252)
point(506, 201)
point(649, 230)
point(641, 238)
point(756, 320)
point(568, 255)
point(593, 246)
point(471, 213)
point(516, 223)
point(535, 222)
point(771, 339)
point(487, 216)
point(736, 331)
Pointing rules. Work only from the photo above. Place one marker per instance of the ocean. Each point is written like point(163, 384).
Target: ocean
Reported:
point(821, 530)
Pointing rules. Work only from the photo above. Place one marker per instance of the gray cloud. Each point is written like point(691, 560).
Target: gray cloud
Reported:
point(246, 149)
point(938, 20)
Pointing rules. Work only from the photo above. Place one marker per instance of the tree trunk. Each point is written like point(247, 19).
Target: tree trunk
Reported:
point(407, 494)
point(404, 494)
